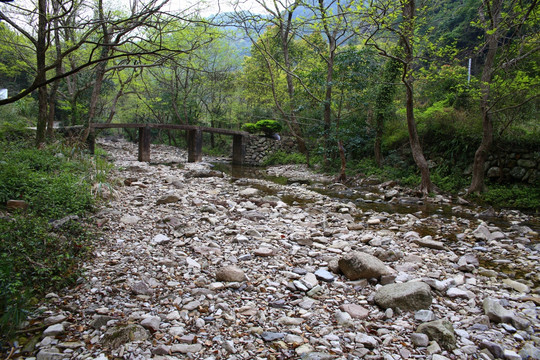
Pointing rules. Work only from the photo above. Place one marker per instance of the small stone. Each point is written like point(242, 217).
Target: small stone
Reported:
point(294, 340)
point(458, 293)
point(130, 220)
point(272, 336)
point(141, 288)
point(356, 311)
point(249, 192)
point(343, 318)
point(324, 275)
point(160, 239)
point(230, 274)
point(120, 335)
point(264, 252)
point(305, 349)
point(360, 265)
point(368, 341)
point(429, 243)
point(228, 345)
point(54, 320)
point(511, 355)
point(192, 305)
point(186, 348)
point(433, 348)
point(424, 315)
point(162, 350)
point(516, 285)
point(53, 330)
point(290, 321)
point(151, 322)
point(50, 354)
point(441, 331)
point(168, 199)
point(419, 339)
point(410, 296)
point(494, 348)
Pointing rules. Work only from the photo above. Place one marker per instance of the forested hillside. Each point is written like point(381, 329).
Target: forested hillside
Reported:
point(432, 89)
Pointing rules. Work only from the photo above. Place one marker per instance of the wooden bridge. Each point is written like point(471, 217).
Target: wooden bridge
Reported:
point(194, 136)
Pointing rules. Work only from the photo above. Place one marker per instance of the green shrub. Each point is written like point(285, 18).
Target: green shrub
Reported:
point(268, 127)
point(519, 196)
point(250, 128)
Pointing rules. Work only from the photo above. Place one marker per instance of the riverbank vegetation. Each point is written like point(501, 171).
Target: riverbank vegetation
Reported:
point(46, 195)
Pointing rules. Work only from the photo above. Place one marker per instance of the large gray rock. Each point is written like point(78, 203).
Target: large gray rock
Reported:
point(440, 331)
point(120, 335)
point(359, 265)
point(410, 296)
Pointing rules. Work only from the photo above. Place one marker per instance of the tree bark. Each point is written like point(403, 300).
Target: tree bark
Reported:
point(426, 186)
point(41, 52)
point(478, 173)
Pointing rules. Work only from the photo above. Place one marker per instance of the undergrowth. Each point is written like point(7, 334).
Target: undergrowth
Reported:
point(282, 157)
point(38, 254)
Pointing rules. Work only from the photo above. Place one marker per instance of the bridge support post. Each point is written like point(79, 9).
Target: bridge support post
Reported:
point(238, 150)
point(91, 141)
point(144, 144)
point(195, 145)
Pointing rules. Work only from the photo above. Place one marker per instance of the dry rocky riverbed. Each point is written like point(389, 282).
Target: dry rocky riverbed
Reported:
point(194, 264)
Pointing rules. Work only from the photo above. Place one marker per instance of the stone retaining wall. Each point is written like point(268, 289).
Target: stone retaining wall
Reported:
point(514, 166)
point(258, 147)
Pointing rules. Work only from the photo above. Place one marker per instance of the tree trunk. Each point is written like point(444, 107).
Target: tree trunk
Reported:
point(41, 52)
point(477, 181)
point(426, 186)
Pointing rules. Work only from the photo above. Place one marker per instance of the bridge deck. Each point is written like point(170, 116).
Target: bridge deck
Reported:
point(170, 127)
point(194, 138)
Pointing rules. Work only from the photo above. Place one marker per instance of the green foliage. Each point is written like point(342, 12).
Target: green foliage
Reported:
point(49, 182)
point(281, 158)
point(518, 196)
point(35, 256)
point(34, 259)
point(250, 128)
point(268, 127)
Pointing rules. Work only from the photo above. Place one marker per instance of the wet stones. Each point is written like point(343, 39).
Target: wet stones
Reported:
point(360, 265)
point(409, 296)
